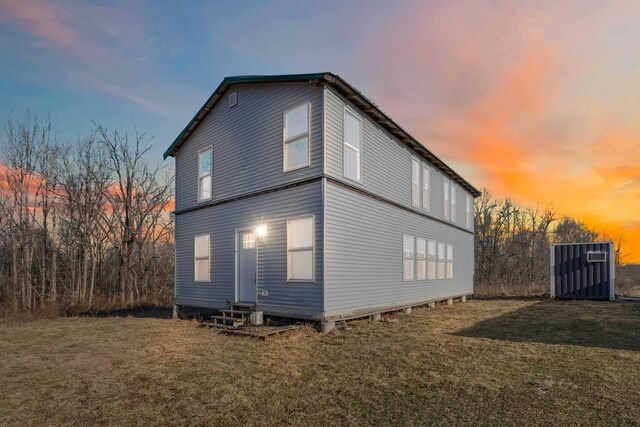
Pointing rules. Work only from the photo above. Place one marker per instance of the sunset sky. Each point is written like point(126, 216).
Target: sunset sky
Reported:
point(538, 101)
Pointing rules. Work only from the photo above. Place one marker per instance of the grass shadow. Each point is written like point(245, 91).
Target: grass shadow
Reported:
point(603, 324)
point(147, 311)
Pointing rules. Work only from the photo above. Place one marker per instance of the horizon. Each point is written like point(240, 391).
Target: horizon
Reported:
point(538, 103)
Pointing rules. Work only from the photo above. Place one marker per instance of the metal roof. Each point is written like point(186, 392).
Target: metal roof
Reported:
point(346, 90)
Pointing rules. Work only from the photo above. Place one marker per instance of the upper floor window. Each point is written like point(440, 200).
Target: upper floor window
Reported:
point(204, 173)
point(352, 146)
point(469, 217)
point(296, 138)
point(201, 258)
point(446, 207)
point(300, 249)
point(415, 183)
point(453, 202)
point(426, 192)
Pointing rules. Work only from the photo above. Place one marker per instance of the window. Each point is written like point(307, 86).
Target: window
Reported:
point(300, 249)
point(421, 263)
point(415, 183)
point(449, 261)
point(201, 258)
point(440, 260)
point(596, 256)
point(469, 217)
point(248, 241)
point(204, 174)
point(446, 209)
point(453, 202)
point(296, 138)
point(407, 257)
point(426, 194)
point(352, 146)
point(431, 260)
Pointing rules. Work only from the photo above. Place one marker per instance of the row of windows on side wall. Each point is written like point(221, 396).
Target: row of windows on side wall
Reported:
point(424, 259)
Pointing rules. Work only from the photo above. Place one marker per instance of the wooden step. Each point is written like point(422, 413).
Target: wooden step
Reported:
point(225, 319)
point(243, 305)
point(232, 313)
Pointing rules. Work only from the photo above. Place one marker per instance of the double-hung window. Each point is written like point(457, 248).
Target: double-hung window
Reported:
point(453, 202)
point(426, 192)
point(421, 263)
point(296, 138)
point(449, 261)
point(201, 258)
point(352, 146)
point(415, 183)
point(445, 199)
point(431, 260)
point(205, 158)
point(300, 249)
point(441, 247)
point(408, 257)
point(469, 217)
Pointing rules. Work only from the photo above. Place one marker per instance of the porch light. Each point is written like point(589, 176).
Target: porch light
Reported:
point(261, 231)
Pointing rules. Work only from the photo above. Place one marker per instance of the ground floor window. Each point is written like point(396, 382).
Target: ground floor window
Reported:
point(449, 261)
point(431, 261)
point(421, 266)
point(300, 249)
point(441, 247)
point(202, 260)
point(408, 256)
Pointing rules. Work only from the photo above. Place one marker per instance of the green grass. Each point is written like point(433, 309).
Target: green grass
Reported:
point(481, 363)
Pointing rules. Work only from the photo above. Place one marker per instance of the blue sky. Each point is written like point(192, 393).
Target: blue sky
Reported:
point(537, 101)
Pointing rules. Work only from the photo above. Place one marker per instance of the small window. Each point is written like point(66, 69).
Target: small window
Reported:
point(426, 192)
point(415, 183)
point(596, 256)
point(296, 138)
point(201, 258)
point(431, 260)
point(453, 203)
point(469, 217)
point(421, 263)
point(204, 174)
point(446, 208)
point(300, 249)
point(449, 261)
point(233, 99)
point(408, 257)
point(441, 255)
point(352, 146)
point(248, 241)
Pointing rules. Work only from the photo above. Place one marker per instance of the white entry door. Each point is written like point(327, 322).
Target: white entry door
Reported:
point(247, 287)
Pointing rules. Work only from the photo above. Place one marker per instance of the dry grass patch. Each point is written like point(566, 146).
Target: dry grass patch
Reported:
point(484, 362)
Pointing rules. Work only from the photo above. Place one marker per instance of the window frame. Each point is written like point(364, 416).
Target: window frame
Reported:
point(449, 261)
point(345, 145)
point(433, 276)
point(469, 216)
point(200, 152)
point(288, 140)
point(452, 202)
point(421, 258)
point(312, 248)
point(446, 202)
point(196, 258)
point(441, 260)
point(426, 188)
point(415, 185)
point(412, 258)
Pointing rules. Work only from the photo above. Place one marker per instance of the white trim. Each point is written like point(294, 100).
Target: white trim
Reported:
point(303, 249)
point(345, 144)
point(286, 139)
point(195, 258)
point(202, 150)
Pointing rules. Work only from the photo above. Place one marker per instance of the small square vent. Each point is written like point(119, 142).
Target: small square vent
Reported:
point(596, 256)
point(233, 99)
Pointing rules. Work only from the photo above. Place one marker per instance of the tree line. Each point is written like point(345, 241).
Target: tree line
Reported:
point(82, 224)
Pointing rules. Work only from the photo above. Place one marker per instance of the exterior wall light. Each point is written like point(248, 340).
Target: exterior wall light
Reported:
point(261, 231)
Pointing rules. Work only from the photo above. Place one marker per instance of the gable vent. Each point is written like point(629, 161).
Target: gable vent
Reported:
point(233, 99)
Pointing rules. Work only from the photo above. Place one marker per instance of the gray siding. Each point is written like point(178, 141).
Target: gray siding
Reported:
point(222, 222)
point(386, 162)
point(247, 142)
point(363, 254)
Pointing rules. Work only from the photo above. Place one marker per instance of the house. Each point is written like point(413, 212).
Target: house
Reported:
point(298, 195)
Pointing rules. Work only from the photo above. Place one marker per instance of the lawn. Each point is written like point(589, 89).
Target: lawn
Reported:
point(481, 363)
